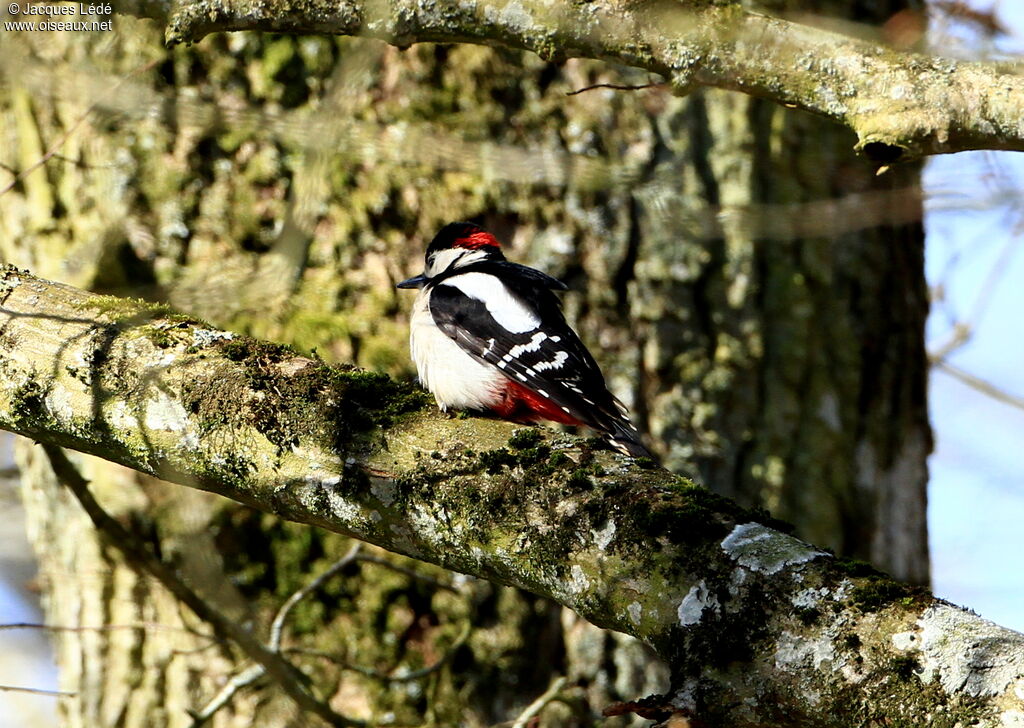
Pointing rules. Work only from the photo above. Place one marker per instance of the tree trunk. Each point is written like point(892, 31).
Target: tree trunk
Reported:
point(753, 291)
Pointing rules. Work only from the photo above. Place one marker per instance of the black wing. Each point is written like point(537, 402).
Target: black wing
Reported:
point(548, 359)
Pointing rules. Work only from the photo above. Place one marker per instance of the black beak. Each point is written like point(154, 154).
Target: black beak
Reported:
point(416, 282)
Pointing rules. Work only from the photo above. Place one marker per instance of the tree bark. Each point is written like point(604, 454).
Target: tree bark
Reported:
point(756, 626)
point(281, 185)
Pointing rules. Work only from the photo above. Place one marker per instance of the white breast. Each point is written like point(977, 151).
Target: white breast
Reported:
point(457, 380)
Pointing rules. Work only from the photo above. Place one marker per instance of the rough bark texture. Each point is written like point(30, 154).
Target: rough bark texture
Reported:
point(756, 626)
point(732, 262)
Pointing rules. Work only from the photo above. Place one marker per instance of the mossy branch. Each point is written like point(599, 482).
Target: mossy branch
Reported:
point(757, 626)
point(901, 105)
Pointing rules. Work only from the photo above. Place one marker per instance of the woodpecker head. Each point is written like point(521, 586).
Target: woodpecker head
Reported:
point(457, 245)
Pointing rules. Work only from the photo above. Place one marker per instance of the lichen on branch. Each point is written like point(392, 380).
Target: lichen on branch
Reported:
point(901, 105)
point(757, 626)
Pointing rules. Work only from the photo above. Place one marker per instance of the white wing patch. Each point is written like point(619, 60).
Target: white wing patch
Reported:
point(532, 345)
point(556, 363)
point(506, 309)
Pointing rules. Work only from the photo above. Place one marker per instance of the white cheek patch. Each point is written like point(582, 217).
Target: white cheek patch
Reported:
point(510, 314)
point(442, 260)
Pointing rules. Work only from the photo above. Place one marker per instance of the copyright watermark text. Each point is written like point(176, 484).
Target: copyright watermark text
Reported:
point(58, 16)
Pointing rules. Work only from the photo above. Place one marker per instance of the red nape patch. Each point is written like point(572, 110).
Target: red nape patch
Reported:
point(480, 239)
point(520, 404)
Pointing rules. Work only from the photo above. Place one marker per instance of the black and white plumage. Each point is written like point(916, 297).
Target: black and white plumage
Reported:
point(489, 335)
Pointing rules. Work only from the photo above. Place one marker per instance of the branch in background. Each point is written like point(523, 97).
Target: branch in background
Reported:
point(254, 672)
point(757, 627)
point(962, 331)
point(545, 699)
point(981, 385)
point(985, 21)
point(277, 626)
point(901, 105)
point(144, 627)
point(449, 653)
point(138, 555)
point(615, 87)
point(411, 573)
point(237, 682)
point(52, 152)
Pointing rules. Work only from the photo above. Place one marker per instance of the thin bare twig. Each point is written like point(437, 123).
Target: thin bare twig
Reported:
point(254, 672)
point(981, 385)
point(412, 573)
point(460, 640)
point(617, 87)
point(996, 273)
point(138, 554)
point(243, 679)
point(143, 627)
point(540, 703)
point(277, 626)
point(36, 691)
point(961, 334)
point(52, 151)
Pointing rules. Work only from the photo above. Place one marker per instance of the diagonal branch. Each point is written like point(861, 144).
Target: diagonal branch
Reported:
point(136, 553)
point(901, 105)
point(758, 627)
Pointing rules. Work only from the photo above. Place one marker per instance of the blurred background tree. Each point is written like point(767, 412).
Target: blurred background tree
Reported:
point(754, 292)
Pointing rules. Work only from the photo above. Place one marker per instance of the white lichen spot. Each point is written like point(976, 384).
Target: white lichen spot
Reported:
point(603, 536)
point(513, 16)
point(61, 404)
point(904, 641)
point(566, 508)
point(808, 598)
point(963, 652)
point(205, 337)
point(759, 548)
point(691, 608)
point(578, 581)
point(685, 696)
point(797, 653)
point(164, 359)
point(165, 414)
point(899, 91)
point(383, 490)
point(635, 611)
point(736, 581)
point(341, 507)
point(403, 541)
point(119, 416)
point(424, 524)
point(1011, 719)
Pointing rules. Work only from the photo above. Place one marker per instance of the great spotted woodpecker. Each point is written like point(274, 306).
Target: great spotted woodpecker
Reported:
point(489, 335)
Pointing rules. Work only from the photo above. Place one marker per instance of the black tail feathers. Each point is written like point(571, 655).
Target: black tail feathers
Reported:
point(627, 441)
